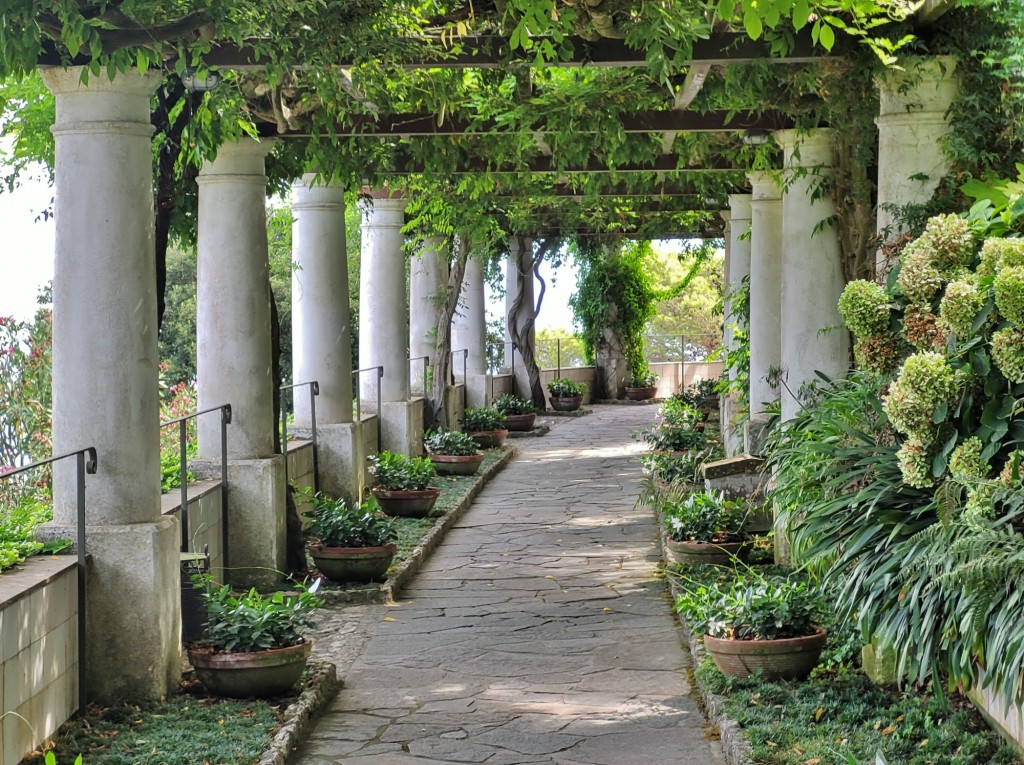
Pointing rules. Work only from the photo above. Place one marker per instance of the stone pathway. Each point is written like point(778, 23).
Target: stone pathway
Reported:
point(536, 633)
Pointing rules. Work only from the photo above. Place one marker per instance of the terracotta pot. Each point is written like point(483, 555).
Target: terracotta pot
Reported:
point(566, 403)
point(250, 675)
point(720, 553)
point(520, 422)
point(353, 564)
point(456, 464)
point(641, 394)
point(408, 503)
point(489, 439)
point(786, 659)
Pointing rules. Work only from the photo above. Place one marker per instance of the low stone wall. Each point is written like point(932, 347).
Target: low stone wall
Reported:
point(672, 379)
point(1010, 723)
point(585, 375)
point(205, 515)
point(39, 651)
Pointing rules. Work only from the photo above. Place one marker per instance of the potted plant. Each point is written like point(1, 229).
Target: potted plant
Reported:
point(705, 527)
point(253, 645)
point(707, 390)
point(519, 413)
point(641, 385)
point(452, 452)
point(486, 426)
point(402, 484)
point(679, 428)
point(757, 624)
point(566, 395)
point(354, 543)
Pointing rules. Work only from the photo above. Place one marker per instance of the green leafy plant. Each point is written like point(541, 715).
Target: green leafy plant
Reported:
point(644, 379)
point(254, 622)
point(336, 523)
point(563, 387)
point(509, 403)
point(705, 517)
point(398, 472)
point(451, 442)
point(482, 418)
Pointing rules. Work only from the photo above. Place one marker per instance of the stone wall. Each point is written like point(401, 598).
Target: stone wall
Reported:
point(668, 372)
point(39, 643)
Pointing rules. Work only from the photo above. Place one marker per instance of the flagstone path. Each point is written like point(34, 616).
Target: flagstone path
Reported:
point(536, 633)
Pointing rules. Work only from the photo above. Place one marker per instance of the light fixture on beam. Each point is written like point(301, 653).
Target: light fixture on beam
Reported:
point(195, 81)
point(756, 137)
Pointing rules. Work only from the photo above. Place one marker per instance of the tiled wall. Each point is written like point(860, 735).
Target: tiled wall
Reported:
point(39, 637)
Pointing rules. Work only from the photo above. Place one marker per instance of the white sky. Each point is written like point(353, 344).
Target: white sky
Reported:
point(26, 248)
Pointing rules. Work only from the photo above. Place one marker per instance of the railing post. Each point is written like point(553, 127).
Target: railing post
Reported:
point(359, 397)
point(314, 391)
point(682, 362)
point(284, 436)
point(225, 420)
point(81, 468)
point(558, 340)
point(183, 473)
point(380, 405)
point(465, 376)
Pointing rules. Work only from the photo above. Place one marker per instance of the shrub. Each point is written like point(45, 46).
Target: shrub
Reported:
point(563, 387)
point(397, 472)
point(482, 418)
point(865, 308)
point(705, 517)
point(509, 403)
point(337, 524)
point(254, 622)
point(450, 442)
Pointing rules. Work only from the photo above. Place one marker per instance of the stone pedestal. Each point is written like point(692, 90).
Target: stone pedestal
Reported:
point(105, 380)
point(256, 522)
point(342, 456)
point(813, 336)
point(912, 123)
point(765, 331)
point(478, 393)
point(321, 323)
point(402, 427)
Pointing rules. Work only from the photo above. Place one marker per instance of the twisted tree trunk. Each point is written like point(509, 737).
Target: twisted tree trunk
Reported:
point(522, 317)
point(443, 344)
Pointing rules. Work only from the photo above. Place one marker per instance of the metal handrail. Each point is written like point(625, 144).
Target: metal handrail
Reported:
point(359, 397)
point(465, 372)
point(182, 423)
point(85, 462)
point(426, 365)
point(314, 391)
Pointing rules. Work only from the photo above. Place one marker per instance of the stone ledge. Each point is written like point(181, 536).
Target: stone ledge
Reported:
point(321, 687)
point(742, 463)
point(535, 432)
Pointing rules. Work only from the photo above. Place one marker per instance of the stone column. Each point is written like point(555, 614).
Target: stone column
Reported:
point(912, 121)
point(105, 382)
point(384, 325)
point(469, 330)
point(322, 334)
point(234, 361)
point(428, 279)
point(518, 258)
point(738, 267)
point(727, 333)
point(764, 332)
point(813, 338)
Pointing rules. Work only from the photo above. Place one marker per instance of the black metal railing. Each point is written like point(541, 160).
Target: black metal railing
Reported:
point(465, 372)
point(85, 463)
point(314, 391)
point(182, 423)
point(426, 366)
point(359, 396)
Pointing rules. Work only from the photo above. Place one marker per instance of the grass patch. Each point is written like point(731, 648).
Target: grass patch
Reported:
point(188, 728)
point(838, 712)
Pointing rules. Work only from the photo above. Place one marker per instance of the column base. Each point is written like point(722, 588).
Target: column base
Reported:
point(402, 427)
point(755, 430)
point(478, 391)
point(133, 609)
point(256, 522)
point(342, 460)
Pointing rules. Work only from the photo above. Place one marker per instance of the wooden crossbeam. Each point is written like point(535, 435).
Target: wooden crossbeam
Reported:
point(665, 163)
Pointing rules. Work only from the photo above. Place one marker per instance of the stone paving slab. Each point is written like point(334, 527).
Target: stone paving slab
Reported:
point(536, 633)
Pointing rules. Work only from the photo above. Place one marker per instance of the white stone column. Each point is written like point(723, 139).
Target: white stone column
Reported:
point(469, 330)
point(384, 325)
point(516, 259)
point(813, 338)
point(738, 245)
point(322, 335)
point(234, 363)
point(765, 330)
point(726, 216)
point(428, 278)
point(912, 122)
point(105, 382)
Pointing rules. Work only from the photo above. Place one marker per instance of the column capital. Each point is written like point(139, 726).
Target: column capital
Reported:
point(100, 104)
point(764, 186)
point(311, 194)
point(739, 207)
point(806, 149)
point(239, 158)
point(922, 90)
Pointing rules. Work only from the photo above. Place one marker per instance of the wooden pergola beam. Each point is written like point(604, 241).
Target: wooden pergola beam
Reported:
point(665, 163)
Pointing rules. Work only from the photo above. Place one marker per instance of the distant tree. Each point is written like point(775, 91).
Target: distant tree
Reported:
point(689, 281)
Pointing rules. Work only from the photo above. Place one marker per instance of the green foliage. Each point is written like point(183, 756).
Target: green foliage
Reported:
point(736, 379)
point(18, 522)
point(563, 387)
point(25, 362)
point(614, 293)
point(397, 472)
point(254, 622)
point(510, 403)
point(678, 427)
point(704, 517)
point(452, 442)
point(925, 383)
point(683, 469)
point(337, 524)
point(482, 418)
point(547, 344)
point(646, 379)
point(864, 307)
point(751, 606)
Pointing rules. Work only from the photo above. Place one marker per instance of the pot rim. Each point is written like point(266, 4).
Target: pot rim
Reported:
point(211, 653)
point(478, 457)
point(319, 549)
point(734, 645)
point(430, 491)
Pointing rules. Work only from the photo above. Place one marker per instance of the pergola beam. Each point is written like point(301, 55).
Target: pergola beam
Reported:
point(665, 163)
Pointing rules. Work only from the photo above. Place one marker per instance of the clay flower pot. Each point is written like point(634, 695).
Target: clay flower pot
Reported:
point(255, 674)
point(456, 464)
point(566, 403)
point(520, 422)
point(489, 439)
point(353, 564)
point(407, 503)
point(720, 553)
point(641, 394)
point(785, 659)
